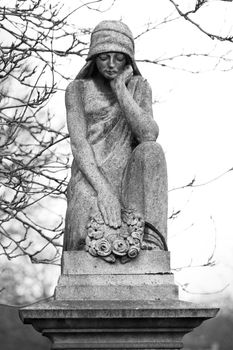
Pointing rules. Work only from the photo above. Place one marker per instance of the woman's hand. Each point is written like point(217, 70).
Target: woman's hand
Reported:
point(109, 206)
point(122, 79)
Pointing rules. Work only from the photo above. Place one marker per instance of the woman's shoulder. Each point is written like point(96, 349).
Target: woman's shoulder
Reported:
point(139, 86)
point(141, 81)
point(79, 88)
point(76, 84)
point(75, 92)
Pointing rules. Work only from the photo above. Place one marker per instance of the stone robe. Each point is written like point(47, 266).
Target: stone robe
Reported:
point(136, 172)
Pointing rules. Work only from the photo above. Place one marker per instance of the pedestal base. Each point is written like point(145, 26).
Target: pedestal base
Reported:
point(148, 277)
point(115, 324)
point(103, 306)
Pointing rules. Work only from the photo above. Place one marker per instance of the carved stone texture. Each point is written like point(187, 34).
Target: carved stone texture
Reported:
point(109, 243)
point(116, 324)
point(116, 306)
point(87, 278)
point(118, 168)
point(118, 164)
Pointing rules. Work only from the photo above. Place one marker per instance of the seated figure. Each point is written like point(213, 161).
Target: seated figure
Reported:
point(117, 161)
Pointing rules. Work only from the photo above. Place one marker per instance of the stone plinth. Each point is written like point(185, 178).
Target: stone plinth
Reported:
point(103, 306)
point(146, 278)
point(115, 324)
point(147, 262)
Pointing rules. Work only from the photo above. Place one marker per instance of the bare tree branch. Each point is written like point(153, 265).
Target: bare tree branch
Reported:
point(186, 16)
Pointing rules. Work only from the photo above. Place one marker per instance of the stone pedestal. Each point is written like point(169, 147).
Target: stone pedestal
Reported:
point(103, 306)
point(148, 277)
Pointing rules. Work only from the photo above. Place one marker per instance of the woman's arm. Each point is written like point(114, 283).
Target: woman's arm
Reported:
point(84, 156)
point(138, 113)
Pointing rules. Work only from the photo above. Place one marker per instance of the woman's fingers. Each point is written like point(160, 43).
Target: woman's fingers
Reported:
point(110, 216)
point(118, 217)
point(110, 209)
point(104, 213)
point(114, 217)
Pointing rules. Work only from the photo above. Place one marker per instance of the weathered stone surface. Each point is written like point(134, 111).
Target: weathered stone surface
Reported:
point(120, 292)
point(118, 164)
point(148, 277)
point(53, 309)
point(148, 262)
point(116, 325)
point(116, 280)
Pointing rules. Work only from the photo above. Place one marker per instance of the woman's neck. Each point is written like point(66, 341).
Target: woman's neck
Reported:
point(102, 83)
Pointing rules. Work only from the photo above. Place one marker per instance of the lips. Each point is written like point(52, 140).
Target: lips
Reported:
point(110, 72)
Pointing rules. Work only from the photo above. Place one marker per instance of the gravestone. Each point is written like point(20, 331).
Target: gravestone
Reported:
point(116, 289)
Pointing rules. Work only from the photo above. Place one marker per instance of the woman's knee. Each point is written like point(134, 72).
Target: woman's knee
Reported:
point(149, 150)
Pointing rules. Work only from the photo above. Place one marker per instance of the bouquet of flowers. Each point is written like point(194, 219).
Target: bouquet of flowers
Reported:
point(110, 243)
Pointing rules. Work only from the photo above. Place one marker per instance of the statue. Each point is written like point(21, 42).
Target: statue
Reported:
point(117, 194)
point(117, 205)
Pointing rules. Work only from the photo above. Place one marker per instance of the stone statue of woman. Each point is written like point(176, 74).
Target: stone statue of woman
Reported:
point(117, 161)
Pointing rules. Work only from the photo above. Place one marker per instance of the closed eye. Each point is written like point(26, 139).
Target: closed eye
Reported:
point(103, 57)
point(120, 57)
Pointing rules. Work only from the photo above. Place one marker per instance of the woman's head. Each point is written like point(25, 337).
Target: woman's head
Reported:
point(111, 64)
point(110, 38)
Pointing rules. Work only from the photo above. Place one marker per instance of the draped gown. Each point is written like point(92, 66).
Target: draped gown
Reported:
point(137, 172)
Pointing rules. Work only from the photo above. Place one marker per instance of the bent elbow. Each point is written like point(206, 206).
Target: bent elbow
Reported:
point(150, 134)
point(154, 133)
point(79, 146)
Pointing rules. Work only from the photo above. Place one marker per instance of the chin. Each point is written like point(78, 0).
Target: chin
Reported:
point(110, 77)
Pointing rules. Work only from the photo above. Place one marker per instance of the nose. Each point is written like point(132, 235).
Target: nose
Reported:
point(111, 61)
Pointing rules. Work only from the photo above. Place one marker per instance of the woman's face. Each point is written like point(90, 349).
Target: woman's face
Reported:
point(111, 64)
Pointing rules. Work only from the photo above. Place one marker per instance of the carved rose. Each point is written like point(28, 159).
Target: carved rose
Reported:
point(88, 243)
point(123, 242)
point(124, 232)
point(120, 247)
point(95, 230)
point(132, 218)
point(133, 251)
point(138, 227)
point(131, 240)
point(111, 237)
point(102, 247)
point(92, 251)
point(136, 235)
point(98, 218)
point(95, 233)
point(91, 248)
